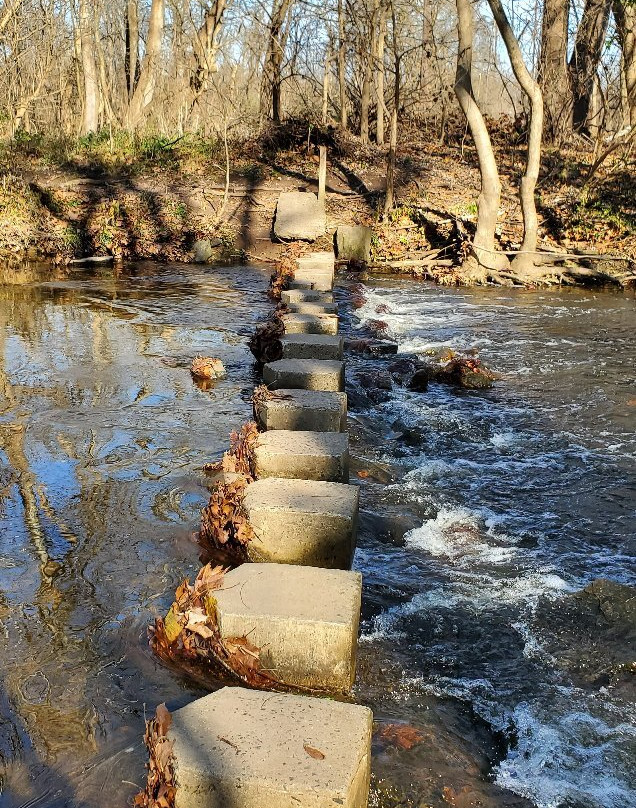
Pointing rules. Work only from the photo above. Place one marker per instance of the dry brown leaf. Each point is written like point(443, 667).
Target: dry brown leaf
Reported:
point(402, 735)
point(316, 754)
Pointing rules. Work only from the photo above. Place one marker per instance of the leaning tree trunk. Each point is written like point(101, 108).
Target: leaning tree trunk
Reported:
point(625, 17)
point(585, 59)
point(145, 90)
point(525, 263)
point(90, 112)
point(484, 260)
point(553, 69)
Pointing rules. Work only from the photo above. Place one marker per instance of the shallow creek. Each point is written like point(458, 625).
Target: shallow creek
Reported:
point(480, 511)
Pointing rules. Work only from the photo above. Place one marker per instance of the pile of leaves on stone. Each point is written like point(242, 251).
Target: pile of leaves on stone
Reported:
point(224, 524)
point(189, 636)
point(207, 367)
point(285, 268)
point(265, 343)
point(160, 788)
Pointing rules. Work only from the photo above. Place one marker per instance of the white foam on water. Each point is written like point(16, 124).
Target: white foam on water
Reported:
point(565, 754)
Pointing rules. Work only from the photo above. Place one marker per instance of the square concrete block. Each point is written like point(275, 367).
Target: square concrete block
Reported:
point(310, 323)
point(302, 522)
point(299, 216)
point(315, 271)
point(313, 308)
point(312, 346)
point(302, 455)
point(309, 410)
point(305, 296)
point(354, 242)
point(320, 282)
point(305, 374)
point(304, 619)
point(240, 748)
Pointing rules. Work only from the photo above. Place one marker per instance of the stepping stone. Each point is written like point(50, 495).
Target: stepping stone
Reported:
point(254, 749)
point(299, 216)
point(305, 374)
point(310, 323)
point(302, 522)
point(303, 410)
point(313, 308)
point(312, 346)
point(302, 455)
point(305, 621)
point(305, 296)
point(314, 271)
point(354, 242)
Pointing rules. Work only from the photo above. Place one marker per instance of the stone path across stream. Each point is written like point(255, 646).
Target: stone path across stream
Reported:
point(258, 749)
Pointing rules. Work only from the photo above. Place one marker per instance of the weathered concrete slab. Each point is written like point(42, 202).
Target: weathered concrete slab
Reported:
point(303, 455)
point(305, 374)
point(249, 749)
point(313, 308)
point(310, 410)
point(353, 242)
point(299, 216)
point(310, 323)
point(304, 620)
point(312, 346)
point(314, 271)
point(302, 522)
point(306, 296)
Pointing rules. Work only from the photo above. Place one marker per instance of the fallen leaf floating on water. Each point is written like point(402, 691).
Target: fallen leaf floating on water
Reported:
point(402, 735)
point(207, 367)
point(316, 754)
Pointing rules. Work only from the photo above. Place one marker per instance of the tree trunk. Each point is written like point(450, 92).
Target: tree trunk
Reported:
point(625, 17)
point(205, 49)
point(484, 259)
point(272, 79)
point(379, 75)
point(585, 60)
point(131, 58)
point(524, 263)
point(145, 89)
point(325, 87)
point(90, 111)
point(342, 66)
point(553, 69)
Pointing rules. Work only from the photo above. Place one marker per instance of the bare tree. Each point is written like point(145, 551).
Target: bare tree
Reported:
point(585, 58)
point(144, 91)
point(625, 18)
point(553, 69)
point(87, 40)
point(272, 70)
point(484, 259)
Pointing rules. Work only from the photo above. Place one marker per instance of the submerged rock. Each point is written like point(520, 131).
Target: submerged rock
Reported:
point(419, 380)
point(592, 635)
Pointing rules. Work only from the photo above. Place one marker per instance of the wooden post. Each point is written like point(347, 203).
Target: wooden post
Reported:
point(322, 175)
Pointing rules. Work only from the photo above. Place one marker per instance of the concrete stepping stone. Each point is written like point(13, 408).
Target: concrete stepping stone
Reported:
point(310, 410)
point(299, 216)
point(305, 374)
point(302, 522)
point(302, 455)
point(304, 619)
point(305, 296)
point(312, 346)
point(253, 749)
point(310, 323)
point(314, 271)
point(313, 308)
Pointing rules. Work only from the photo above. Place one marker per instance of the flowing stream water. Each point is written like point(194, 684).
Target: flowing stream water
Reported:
point(483, 514)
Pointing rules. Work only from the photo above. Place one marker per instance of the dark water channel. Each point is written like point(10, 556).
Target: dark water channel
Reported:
point(483, 514)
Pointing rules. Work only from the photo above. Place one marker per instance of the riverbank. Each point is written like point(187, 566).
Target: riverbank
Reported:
point(156, 198)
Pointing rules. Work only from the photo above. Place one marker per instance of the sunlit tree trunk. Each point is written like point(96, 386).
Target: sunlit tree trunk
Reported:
point(272, 78)
point(90, 76)
point(625, 17)
point(484, 258)
point(131, 57)
point(342, 65)
point(379, 74)
point(524, 263)
point(145, 88)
